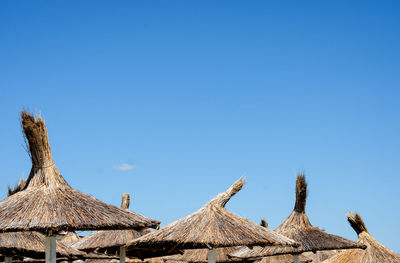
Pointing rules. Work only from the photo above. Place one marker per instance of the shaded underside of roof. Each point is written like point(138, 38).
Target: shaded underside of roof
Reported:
point(31, 244)
point(109, 240)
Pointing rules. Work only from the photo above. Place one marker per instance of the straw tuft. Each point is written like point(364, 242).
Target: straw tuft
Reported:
point(21, 184)
point(357, 223)
point(223, 198)
point(264, 223)
point(125, 202)
point(301, 194)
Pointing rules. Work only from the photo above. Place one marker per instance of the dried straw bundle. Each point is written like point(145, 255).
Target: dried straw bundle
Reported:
point(32, 244)
point(109, 241)
point(210, 226)
point(375, 252)
point(298, 227)
point(47, 202)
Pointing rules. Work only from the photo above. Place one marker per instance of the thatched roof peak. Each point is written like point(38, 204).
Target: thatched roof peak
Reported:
point(301, 194)
point(374, 252)
point(210, 226)
point(125, 201)
point(35, 133)
point(356, 223)
point(223, 198)
point(47, 202)
point(264, 223)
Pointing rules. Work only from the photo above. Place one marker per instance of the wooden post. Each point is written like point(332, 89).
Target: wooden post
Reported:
point(296, 258)
point(122, 254)
point(316, 257)
point(51, 247)
point(212, 255)
point(7, 259)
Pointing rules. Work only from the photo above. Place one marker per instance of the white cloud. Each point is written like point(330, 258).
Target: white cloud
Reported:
point(125, 167)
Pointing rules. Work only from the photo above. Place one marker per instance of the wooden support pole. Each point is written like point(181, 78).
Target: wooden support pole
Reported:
point(51, 247)
point(7, 259)
point(316, 257)
point(122, 254)
point(296, 258)
point(212, 255)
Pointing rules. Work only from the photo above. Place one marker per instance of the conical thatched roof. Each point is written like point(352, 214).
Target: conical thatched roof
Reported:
point(375, 251)
point(31, 244)
point(47, 202)
point(210, 226)
point(298, 227)
point(110, 240)
point(201, 255)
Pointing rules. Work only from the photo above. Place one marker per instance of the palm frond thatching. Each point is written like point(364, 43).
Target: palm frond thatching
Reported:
point(47, 202)
point(298, 227)
point(32, 244)
point(210, 226)
point(110, 240)
point(375, 251)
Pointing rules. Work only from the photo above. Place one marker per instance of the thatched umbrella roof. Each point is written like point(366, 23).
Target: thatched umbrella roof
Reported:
point(273, 259)
point(47, 202)
point(31, 244)
point(375, 251)
point(212, 226)
point(110, 240)
point(200, 255)
point(69, 238)
point(298, 227)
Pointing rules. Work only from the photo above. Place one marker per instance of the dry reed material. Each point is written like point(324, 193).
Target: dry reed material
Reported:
point(32, 244)
point(21, 184)
point(201, 255)
point(375, 252)
point(109, 241)
point(298, 227)
point(47, 202)
point(69, 238)
point(210, 226)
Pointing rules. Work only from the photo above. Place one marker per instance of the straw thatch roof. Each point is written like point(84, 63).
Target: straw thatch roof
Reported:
point(32, 244)
point(47, 202)
point(298, 227)
point(210, 226)
point(201, 255)
point(375, 252)
point(69, 238)
point(109, 241)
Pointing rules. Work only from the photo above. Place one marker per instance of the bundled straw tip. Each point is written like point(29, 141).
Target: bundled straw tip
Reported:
point(356, 222)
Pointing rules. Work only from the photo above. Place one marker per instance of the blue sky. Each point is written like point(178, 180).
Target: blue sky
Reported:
point(188, 96)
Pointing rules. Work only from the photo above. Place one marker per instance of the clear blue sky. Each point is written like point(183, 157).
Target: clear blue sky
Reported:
point(188, 96)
